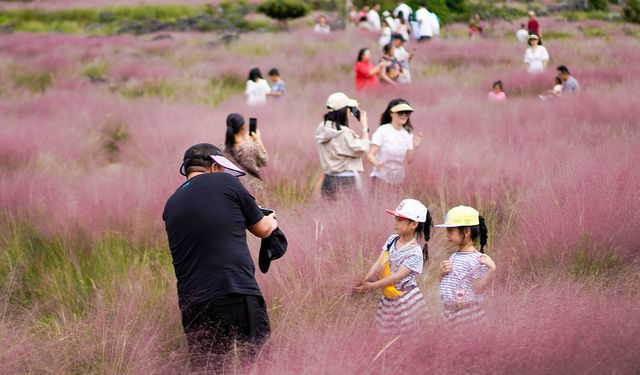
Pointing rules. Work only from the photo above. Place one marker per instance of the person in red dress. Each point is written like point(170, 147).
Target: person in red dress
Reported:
point(367, 73)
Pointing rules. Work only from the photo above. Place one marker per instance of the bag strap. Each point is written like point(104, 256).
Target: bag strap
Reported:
point(472, 270)
point(392, 242)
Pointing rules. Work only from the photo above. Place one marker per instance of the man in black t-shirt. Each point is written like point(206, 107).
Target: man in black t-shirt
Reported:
point(206, 221)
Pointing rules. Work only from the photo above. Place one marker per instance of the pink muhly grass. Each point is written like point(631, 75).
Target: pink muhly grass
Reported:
point(556, 181)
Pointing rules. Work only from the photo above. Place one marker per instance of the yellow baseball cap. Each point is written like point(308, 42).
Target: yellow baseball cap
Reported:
point(461, 216)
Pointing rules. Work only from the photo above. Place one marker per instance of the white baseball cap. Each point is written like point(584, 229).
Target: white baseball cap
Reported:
point(339, 100)
point(410, 209)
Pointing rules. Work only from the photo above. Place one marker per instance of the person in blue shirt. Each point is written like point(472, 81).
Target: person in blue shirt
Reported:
point(277, 84)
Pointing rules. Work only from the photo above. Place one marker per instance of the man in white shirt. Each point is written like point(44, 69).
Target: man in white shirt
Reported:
point(426, 27)
point(405, 9)
point(373, 17)
point(435, 24)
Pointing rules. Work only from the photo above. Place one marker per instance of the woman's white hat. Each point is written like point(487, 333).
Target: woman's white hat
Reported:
point(410, 209)
point(339, 100)
point(533, 36)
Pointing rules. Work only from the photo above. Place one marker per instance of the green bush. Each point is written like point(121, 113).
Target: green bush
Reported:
point(284, 10)
point(598, 4)
point(37, 82)
point(631, 11)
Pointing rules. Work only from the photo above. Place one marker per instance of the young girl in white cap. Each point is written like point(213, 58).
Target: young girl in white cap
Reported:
point(395, 271)
point(468, 273)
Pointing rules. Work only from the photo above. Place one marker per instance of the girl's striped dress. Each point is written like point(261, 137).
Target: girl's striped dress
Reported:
point(461, 303)
point(399, 315)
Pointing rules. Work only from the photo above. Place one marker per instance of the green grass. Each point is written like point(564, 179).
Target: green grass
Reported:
point(253, 50)
point(553, 34)
point(35, 82)
point(96, 70)
point(108, 20)
point(221, 88)
point(63, 277)
point(594, 32)
point(157, 89)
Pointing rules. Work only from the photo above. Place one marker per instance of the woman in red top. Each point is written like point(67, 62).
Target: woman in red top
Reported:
point(366, 72)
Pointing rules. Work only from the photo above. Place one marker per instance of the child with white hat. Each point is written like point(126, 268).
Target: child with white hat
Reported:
point(468, 273)
point(401, 260)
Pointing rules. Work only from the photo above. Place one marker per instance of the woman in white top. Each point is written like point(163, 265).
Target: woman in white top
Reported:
point(402, 27)
point(391, 143)
point(536, 56)
point(385, 34)
point(257, 88)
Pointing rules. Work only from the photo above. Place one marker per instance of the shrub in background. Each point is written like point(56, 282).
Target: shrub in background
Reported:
point(598, 4)
point(631, 11)
point(284, 10)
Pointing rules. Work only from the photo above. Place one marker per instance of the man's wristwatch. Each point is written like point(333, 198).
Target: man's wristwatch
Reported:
point(366, 130)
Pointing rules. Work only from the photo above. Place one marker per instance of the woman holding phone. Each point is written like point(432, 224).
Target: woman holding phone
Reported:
point(339, 147)
point(392, 142)
point(244, 145)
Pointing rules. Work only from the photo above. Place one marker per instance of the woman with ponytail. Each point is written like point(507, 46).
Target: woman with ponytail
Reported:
point(248, 151)
point(397, 267)
point(468, 273)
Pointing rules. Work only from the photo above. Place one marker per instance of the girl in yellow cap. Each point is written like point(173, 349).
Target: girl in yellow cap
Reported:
point(468, 273)
point(395, 271)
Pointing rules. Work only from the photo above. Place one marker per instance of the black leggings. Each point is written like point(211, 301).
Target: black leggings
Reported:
point(216, 326)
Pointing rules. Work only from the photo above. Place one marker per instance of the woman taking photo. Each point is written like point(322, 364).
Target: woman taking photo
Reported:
point(339, 147)
point(536, 56)
point(257, 88)
point(249, 153)
point(366, 73)
point(392, 141)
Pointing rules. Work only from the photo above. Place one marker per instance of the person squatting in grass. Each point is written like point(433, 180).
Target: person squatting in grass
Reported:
point(401, 260)
point(468, 273)
point(340, 149)
point(392, 144)
point(206, 220)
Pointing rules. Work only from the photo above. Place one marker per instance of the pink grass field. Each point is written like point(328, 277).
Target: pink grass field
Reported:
point(558, 182)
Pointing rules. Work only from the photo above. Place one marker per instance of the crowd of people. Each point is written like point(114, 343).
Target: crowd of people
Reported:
point(207, 216)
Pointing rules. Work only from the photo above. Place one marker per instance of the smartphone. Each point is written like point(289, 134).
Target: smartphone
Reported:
point(266, 211)
point(356, 112)
point(253, 125)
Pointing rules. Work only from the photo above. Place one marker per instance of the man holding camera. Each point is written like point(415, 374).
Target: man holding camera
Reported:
point(206, 221)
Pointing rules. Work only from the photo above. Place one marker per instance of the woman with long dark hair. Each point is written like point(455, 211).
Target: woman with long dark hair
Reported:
point(392, 142)
point(248, 151)
point(340, 148)
point(257, 88)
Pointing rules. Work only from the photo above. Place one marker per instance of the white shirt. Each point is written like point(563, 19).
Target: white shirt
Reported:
point(422, 16)
point(318, 28)
point(385, 37)
point(435, 24)
point(522, 35)
point(393, 147)
point(256, 92)
point(534, 59)
point(374, 20)
point(405, 9)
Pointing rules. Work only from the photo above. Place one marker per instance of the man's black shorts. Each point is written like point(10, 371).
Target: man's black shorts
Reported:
point(215, 325)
